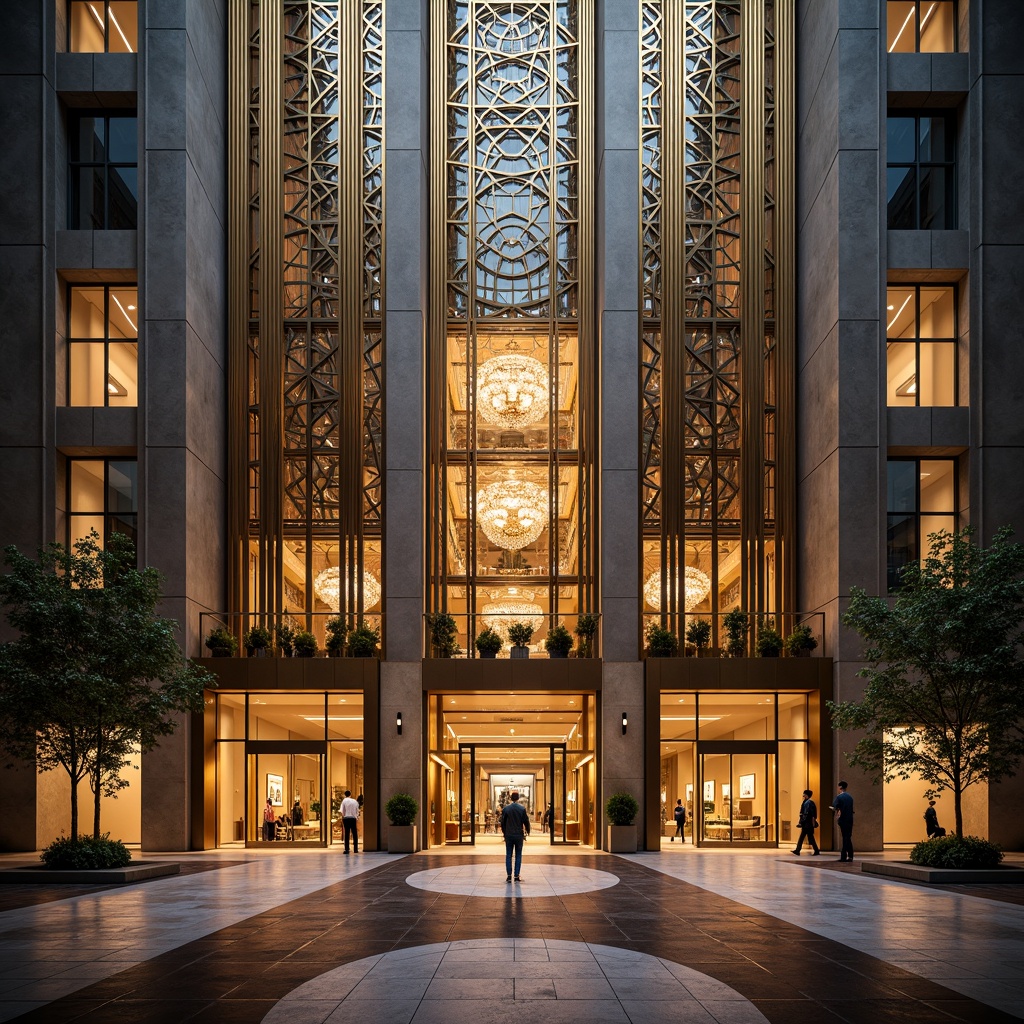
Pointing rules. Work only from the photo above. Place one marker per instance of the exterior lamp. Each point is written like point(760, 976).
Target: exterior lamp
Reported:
point(398, 722)
point(625, 722)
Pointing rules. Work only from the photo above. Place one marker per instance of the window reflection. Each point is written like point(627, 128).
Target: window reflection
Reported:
point(921, 501)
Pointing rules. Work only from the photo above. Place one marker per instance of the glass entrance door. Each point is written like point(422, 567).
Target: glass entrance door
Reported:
point(468, 814)
point(737, 783)
point(285, 783)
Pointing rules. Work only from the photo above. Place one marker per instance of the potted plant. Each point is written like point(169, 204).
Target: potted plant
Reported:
point(769, 639)
point(586, 630)
point(698, 635)
point(520, 634)
point(305, 644)
point(314, 810)
point(444, 635)
point(661, 642)
point(221, 642)
point(337, 634)
point(735, 623)
point(558, 642)
point(621, 810)
point(257, 641)
point(285, 640)
point(488, 643)
point(363, 641)
point(800, 642)
point(401, 811)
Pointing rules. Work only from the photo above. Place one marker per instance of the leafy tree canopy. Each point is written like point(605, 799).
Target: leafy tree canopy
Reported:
point(943, 697)
point(94, 672)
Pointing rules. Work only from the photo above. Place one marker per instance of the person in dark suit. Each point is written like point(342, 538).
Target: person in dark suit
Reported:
point(931, 821)
point(680, 815)
point(808, 822)
point(843, 806)
point(515, 827)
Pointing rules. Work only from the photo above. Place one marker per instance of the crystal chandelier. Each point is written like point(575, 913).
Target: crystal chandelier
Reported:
point(512, 389)
point(513, 606)
point(696, 587)
point(512, 513)
point(327, 586)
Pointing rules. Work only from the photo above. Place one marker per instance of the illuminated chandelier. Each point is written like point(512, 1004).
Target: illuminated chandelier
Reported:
point(511, 607)
point(696, 587)
point(512, 389)
point(327, 586)
point(512, 513)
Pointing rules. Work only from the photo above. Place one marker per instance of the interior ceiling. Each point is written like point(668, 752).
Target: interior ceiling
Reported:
point(293, 712)
point(721, 714)
point(513, 718)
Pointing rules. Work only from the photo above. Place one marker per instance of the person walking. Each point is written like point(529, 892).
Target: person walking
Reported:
point(548, 821)
point(931, 821)
point(515, 827)
point(808, 822)
point(843, 807)
point(350, 819)
point(679, 813)
point(269, 822)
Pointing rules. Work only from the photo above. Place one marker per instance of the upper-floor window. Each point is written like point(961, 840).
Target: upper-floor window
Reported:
point(103, 26)
point(920, 171)
point(920, 333)
point(103, 348)
point(103, 171)
point(921, 500)
point(921, 26)
point(102, 496)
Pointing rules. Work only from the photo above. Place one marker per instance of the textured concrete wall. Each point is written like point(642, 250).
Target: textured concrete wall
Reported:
point(183, 298)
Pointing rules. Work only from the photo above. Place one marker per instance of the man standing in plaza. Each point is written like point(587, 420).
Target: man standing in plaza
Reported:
point(807, 822)
point(843, 806)
point(680, 815)
point(515, 827)
point(350, 819)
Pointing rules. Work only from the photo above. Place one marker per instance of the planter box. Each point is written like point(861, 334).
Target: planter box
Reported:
point(402, 839)
point(622, 838)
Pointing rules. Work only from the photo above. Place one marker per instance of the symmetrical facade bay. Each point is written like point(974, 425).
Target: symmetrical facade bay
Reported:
point(405, 321)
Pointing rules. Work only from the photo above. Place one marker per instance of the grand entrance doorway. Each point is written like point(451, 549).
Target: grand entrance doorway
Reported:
point(485, 746)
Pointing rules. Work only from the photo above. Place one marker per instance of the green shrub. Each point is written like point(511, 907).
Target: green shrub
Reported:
point(257, 639)
point(586, 630)
point(621, 809)
point(401, 809)
point(801, 639)
point(559, 640)
point(221, 641)
point(956, 852)
point(86, 854)
point(285, 640)
point(337, 633)
point(736, 623)
point(489, 642)
point(769, 640)
point(305, 644)
point(520, 633)
point(363, 640)
point(698, 633)
point(661, 643)
point(444, 635)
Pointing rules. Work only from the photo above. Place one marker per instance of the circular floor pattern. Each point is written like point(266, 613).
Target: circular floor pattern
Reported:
point(489, 880)
point(500, 981)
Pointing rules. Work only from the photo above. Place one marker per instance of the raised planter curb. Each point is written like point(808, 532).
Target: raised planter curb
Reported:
point(31, 875)
point(1008, 875)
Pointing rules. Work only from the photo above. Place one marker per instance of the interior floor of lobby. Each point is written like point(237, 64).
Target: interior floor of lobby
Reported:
point(311, 936)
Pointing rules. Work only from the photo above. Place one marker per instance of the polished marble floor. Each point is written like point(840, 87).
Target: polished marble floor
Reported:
point(306, 937)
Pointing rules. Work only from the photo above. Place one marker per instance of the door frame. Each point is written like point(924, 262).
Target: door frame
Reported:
point(732, 748)
point(287, 748)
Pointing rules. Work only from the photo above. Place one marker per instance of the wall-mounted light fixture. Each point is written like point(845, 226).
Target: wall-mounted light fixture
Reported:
point(625, 722)
point(398, 722)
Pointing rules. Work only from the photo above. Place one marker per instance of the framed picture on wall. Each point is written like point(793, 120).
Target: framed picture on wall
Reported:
point(726, 790)
point(709, 791)
point(275, 790)
point(747, 787)
point(689, 794)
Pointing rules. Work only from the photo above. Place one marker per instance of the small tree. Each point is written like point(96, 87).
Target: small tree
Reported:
point(944, 669)
point(94, 672)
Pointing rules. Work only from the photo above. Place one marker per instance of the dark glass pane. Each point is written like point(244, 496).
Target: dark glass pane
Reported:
point(936, 199)
point(936, 139)
point(121, 490)
point(122, 524)
point(123, 145)
point(87, 140)
point(900, 547)
point(899, 140)
point(87, 199)
point(902, 198)
point(902, 487)
point(123, 202)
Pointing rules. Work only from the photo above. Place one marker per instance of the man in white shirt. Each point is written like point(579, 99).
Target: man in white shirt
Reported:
point(350, 819)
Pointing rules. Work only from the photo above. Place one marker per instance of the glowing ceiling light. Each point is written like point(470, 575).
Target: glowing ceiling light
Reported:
point(696, 587)
point(512, 389)
point(512, 513)
point(327, 586)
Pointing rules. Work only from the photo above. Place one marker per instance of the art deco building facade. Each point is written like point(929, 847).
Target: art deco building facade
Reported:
point(438, 317)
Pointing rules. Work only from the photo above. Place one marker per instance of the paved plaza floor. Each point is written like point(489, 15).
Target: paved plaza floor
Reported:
point(306, 937)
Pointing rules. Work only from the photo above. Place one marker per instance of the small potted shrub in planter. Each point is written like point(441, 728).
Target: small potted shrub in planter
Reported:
point(520, 634)
point(488, 643)
point(285, 640)
point(443, 635)
point(769, 640)
point(698, 636)
point(221, 643)
point(363, 641)
point(558, 642)
point(661, 642)
point(257, 642)
point(800, 642)
point(401, 811)
point(621, 810)
point(337, 634)
point(305, 644)
point(736, 623)
point(586, 630)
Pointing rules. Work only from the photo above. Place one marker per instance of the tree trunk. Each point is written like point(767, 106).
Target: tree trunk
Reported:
point(74, 794)
point(96, 780)
point(958, 814)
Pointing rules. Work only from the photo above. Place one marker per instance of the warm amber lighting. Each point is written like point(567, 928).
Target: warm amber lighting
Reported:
point(512, 389)
point(327, 586)
point(512, 513)
point(696, 587)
